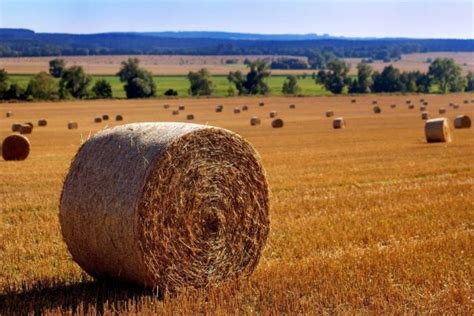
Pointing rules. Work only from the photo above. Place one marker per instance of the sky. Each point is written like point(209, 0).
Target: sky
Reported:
point(352, 18)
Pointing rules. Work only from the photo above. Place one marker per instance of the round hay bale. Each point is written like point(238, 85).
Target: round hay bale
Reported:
point(377, 109)
point(393, 106)
point(273, 114)
point(166, 106)
point(442, 111)
point(422, 108)
point(15, 147)
point(29, 124)
point(338, 123)
point(261, 104)
point(374, 102)
point(97, 119)
point(137, 208)
point(42, 122)
point(72, 125)
point(425, 103)
point(292, 106)
point(16, 127)
point(422, 100)
point(329, 113)
point(411, 106)
point(190, 117)
point(451, 104)
point(219, 108)
point(175, 112)
point(425, 116)
point(254, 121)
point(9, 114)
point(466, 101)
point(105, 117)
point(455, 106)
point(354, 101)
point(437, 130)
point(119, 117)
point(245, 108)
point(181, 108)
point(407, 102)
point(462, 121)
point(236, 111)
point(26, 129)
point(277, 123)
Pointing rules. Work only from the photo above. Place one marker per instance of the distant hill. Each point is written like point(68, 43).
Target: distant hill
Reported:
point(21, 42)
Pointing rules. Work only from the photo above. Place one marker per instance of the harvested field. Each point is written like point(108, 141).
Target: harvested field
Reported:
point(366, 219)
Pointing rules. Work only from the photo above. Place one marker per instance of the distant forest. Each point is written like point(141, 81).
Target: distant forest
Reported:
point(20, 42)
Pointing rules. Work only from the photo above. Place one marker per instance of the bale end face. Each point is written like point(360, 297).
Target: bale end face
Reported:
point(219, 108)
point(190, 117)
point(377, 110)
point(273, 114)
point(15, 147)
point(105, 117)
point(277, 123)
point(438, 131)
point(119, 118)
point(42, 122)
point(338, 123)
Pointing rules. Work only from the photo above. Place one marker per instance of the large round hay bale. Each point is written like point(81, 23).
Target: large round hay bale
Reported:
point(277, 123)
point(9, 114)
point(97, 119)
point(292, 106)
point(329, 113)
point(255, 121)
point(148, 212)
point(245, 108)
point(442, 111)
point(273, 114)
point(105, 117)
point(42, 122)
point(175, 112)
point(16, 127)
point(26, 129)
point(462, 121)
point(338, 122)
point(437, 130)
point(181, 108)
point(119, 117)
point(72, 125)
point(425, 116)
point(15, 147)
point(190, 117)
point(236, 111)
point(377, 109)
point(219, 108)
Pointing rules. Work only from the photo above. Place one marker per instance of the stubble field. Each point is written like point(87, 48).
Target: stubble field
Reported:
point(369, 218)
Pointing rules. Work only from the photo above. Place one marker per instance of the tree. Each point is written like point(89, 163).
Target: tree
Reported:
point(3, 83)
point(74, 82)
point(447, 74)
point(388, 80)
point(290, 86)
point(470, 82)
point(363, 83)
point(57, 67)
point(255, 81)
point(42, 86)
point(335, 78)
point(138, 82)
point(171, 93)
point(200, 81)
point(15, 92)
point(102, 89)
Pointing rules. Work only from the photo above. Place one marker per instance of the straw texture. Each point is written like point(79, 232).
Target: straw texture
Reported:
point(462, 121)
point(438, 131)
point(165, 205)
point(15, 147)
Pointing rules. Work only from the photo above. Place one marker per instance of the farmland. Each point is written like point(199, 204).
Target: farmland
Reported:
point(369, 218)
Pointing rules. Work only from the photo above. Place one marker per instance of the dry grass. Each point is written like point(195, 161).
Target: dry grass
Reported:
point(366, 219)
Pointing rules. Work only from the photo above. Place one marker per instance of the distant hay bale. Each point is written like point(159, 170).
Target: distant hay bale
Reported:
point(442, 111)
point(219, 108)
point(425, 116)
point(437, 130)
point(374, 102)
point(190, 117)
point(466, 101)
point(411, 106)
point(245, 108)
point(353, 100)
point(236, 110)
point(255, 121)
point(273, 114)
point(15, 147)
point(455, 106)
point(377, 109)
point(422, 100)
point(175, 112)
point(29, 124)
point(97, 119)
point(292, 106)
point(408, 102)
point(72, 125)
point(149, 213)
point(422, 108)
point(277, 123)
point(338, 122)
point(392, 106)
point(261, 104)
point(119, 117)
point(42, 122)
point(329, 113)
point(16, 127)
point(425, 103)
point(26, 129)
point(166, 106)
point(9, 114)
point(105, 117)
point(451, 104)
point(181, 108)
point(462, 121)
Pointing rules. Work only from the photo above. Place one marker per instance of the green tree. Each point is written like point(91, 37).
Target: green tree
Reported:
point(290, 86)
point(387, 81)
point(363, 83)
point(57, 67)
point(15, 92)
point(3, 83)
point(171, 93)
point(42, 86)
point(74, 82)
point(255, 81)
point(447, 74)
point(138, 82)
point(201, 83)
point(470, 82)
point(102, 89)
point(335, 78)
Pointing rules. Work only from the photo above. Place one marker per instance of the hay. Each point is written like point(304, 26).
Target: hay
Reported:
point(42, 122)
point(137, 208)
point(273, 114)
point(166, 106)
point(9, 114)
point(462, 121)
point(26, 129)
point(374, 102)
point(29, 124)
point(72, 125)
point(425, 103)
point(236, 111)
point(16, 127)
point(261, 104)
point(425, 116)
point(354, 101)
point(407, 102)
point(466, 101)
point(105, 117)
point(292, 106)
point(181, 108)
point(442, 111)
point(392, 106)
point(254, 121)
point(422, 100)
point(97, 119)
point(455, 106)
point(422, 108)
point(377, 109)
point(245, 108)
point(338, 123)
point(411, 106)
point(175, 112)
point(277, 123)
point(219, 108)
point(437, 130)
point(190, 117)
point(329, 113)
point(119, 117)
point(15, 147)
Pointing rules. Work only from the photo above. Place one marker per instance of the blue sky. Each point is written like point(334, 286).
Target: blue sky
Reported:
point(380, 18)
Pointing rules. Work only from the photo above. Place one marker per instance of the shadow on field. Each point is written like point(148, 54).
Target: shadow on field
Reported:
point(81, 298)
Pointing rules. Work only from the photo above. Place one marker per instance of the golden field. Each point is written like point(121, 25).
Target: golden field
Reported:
point(367, 219)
